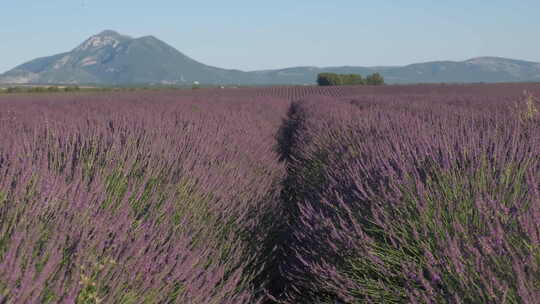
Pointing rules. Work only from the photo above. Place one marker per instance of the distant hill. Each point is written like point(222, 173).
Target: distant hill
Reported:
point(110, 58)
point(482, 69)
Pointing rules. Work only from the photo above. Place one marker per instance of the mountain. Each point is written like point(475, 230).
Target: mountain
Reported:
point(110, 58)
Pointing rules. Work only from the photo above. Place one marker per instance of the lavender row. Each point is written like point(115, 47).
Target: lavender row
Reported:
point(136, 198)
point(416, 198)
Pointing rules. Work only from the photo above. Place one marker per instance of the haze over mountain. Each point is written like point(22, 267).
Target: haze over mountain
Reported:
point(110, 58)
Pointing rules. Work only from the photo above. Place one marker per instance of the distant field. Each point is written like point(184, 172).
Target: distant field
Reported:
point(292, 92)
point(387, 194)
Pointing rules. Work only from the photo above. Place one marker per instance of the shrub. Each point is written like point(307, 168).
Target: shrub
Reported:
point(374, 79)
point(527, 110)
point(332, 79)
point(12, 90)
point(71, 89)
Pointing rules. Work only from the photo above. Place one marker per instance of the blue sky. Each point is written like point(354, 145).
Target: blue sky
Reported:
point(251, 35)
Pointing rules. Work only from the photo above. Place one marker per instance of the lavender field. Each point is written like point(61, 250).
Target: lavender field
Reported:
point(391, 194)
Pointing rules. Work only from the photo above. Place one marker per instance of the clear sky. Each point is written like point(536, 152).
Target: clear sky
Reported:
point(252, 35)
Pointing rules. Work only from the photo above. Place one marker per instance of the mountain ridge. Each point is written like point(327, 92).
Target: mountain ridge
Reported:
point(111, 58)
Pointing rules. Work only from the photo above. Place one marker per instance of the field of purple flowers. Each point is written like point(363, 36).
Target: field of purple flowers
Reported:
point(134, 198)
point(395, 194)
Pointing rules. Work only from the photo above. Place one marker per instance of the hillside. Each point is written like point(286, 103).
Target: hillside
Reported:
point(110, 58)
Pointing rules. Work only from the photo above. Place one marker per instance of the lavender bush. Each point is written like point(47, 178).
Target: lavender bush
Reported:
point(135, 200)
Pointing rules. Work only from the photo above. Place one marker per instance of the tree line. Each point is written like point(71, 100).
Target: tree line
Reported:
point(333, 79)
point(40, 89)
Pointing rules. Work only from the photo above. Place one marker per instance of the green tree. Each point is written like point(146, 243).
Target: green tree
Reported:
point(36, 90)
point(374, 79)
point(352, 79)
point(333, 79)
point(326, 79)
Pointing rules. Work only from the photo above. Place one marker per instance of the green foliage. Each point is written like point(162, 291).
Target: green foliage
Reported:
point(40, 89)
point(527, 110)
point(72, 89)
point(3, 199)
point(4, 291)
point(116, 186)
point(449, 197)
point(332, 79)
point(12, 90)
point(192, 203)
point(4, 242)
point(91, 291)
point(177, 291)
point(140, 202)
point(351, 79)
point(328, 79)
point(48, 296)
point(37, 90)
point(375, 79)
